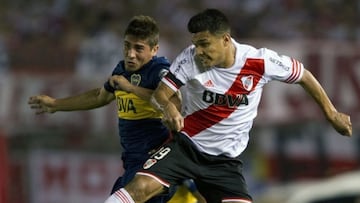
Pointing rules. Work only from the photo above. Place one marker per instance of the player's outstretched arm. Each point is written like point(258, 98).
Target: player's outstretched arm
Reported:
point(340, 121)
point(42, 104)
point(88, 100)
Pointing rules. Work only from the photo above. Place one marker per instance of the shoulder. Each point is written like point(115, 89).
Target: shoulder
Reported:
point(157, 67)
point(161, 62)
point(250, 51)
point(186, 57)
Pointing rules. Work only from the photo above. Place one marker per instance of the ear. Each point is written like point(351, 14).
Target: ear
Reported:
point(226, 39)
point(155, 49)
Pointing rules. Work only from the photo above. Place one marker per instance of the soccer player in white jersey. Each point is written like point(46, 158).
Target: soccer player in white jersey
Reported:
point(222, 81)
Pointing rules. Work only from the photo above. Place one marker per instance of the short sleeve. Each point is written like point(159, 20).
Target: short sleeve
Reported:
point(281, 67)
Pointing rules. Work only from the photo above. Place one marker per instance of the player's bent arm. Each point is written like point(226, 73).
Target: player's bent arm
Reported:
point(176, 99)
point(313, 87)
point(119, 82)
point(141, 92)
point(162, 100)
point(341, 122)
point(161, 96)
point(146, 95)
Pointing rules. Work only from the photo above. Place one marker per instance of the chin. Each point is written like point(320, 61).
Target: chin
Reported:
point(131, 68)
point(207, 65)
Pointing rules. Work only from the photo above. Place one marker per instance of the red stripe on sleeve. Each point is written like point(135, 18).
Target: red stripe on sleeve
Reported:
point(296, 70)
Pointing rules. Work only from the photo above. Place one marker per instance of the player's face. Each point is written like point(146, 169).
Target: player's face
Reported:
point(137, 52)
point(210, 49)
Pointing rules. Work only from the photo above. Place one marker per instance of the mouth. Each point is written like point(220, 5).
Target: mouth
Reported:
point(203, 60)
point(130, 63)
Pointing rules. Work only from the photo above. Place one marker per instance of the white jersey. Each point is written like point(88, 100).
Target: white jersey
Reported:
point(220, 104)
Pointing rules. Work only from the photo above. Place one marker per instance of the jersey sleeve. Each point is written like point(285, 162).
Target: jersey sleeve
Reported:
point(160, 69)
point(281, 67)
point(158, 75)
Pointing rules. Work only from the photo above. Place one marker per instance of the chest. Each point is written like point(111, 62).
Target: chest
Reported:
point(226, 82)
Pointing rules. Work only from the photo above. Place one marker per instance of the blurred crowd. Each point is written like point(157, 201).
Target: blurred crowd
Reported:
point(86, 35)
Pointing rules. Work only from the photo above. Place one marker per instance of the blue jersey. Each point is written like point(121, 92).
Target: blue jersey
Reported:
point(140, 126)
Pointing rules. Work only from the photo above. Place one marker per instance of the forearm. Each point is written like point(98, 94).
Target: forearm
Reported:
point(85, 101)
point(316, 91)
point(119, 82)
point(160, 100)
point(141, 92)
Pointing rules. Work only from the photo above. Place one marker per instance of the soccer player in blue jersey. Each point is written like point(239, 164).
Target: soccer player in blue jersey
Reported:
point(131, 85)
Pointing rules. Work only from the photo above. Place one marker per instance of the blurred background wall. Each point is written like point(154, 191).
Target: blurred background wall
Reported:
point(63, 47)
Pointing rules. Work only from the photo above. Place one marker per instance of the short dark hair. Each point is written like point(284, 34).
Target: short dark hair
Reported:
point(145, 28)
point(211, 20)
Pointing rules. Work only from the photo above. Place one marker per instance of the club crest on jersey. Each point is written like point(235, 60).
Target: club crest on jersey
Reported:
point(160, 154)
point(135, 79)
point(149, 163)
point(248, 82)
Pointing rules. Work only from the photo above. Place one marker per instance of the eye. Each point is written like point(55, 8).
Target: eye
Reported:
point(139, 48)
point(126, 45)
point(204, 44)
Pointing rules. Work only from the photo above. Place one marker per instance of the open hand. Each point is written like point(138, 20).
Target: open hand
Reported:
point(42, 104)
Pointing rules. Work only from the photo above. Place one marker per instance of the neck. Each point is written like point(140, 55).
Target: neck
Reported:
point(230, 56)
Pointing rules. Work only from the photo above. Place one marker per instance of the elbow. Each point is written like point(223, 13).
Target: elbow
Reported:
point(305, 77)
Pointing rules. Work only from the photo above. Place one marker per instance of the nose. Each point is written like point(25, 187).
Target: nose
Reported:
point(130, 53)
point(198, 51)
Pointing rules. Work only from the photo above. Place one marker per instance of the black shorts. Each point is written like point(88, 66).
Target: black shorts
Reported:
point(217, 177)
